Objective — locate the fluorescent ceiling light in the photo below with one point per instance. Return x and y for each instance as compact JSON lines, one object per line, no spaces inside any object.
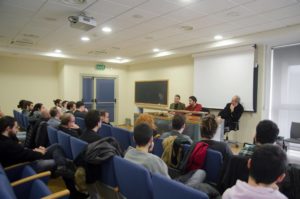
{"x":156,"y":50}
{"x":218,"y":37}
{"x":162,"y":54}
{"x":85,"y":39}
{"x":57,"y":51}
{"x":106,"y":29}
{"x":118,"y":61}
{"x":119,"y":58}
{"x":225,"y":43}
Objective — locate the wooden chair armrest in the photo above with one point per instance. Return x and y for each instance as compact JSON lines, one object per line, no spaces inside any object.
{"x":30,"y":178}
{"x":58,"y":194}
{"x":16,"y":165}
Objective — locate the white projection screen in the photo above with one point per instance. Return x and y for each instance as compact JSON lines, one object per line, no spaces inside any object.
{"x":219,"y":75}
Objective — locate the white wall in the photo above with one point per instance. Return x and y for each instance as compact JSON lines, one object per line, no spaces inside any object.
{"x":20,"y":78}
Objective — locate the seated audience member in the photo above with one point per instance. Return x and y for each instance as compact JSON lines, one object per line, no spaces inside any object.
{"x":68,"y":125}
{"x":148,"y":119}
{"x":267,"y":167}
{"x":232,"y":113}
{"x":143,"y":136}
{"x":80,"y":110}
{"x":104,"y":116}
{"x":178,"y":125}
{"x":35,"y":113}
{"x":11,"y":152}
{"x":27,"y":108}
{"x":64,"y":106}
{"x":193,"y":105}
{"x":21,"y":104}
{"x":55,"y":114}
{"x":208,"y":130}
{"x":57,"y":103}
{"x":266,"y":133}
{"x":93,"y":124}
{"x":71,"y":107}
{"x":177,"y":105}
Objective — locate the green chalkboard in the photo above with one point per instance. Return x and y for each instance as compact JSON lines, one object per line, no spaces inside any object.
{"x":151,"y":92}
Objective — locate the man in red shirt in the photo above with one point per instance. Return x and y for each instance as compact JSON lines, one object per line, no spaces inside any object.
{"x":193,"y":105}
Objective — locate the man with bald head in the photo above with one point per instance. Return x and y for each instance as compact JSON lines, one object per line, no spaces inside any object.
{"x":232,"y":113}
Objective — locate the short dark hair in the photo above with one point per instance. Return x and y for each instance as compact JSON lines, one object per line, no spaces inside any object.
{"x":266,"y":132}
{"x":208,"y":126}
{"x":37,"y":107}
{"x":63,"y":102}
{"x":268,"y":162}
{"x":70,"y":105}
{"x":142,"y":134}
{"x":21,"y":104}
{"x":53,"y":111}
{"x":193,"y":98}
{"x":92,"y":118}
{"x":178,"y":121}
{"x":177,"y":96}
{"x":79,"y":104}
{"x":56,"y":102}
{"x":6,"y":121}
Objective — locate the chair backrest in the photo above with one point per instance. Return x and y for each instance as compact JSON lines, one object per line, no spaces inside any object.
{"x":134,"y":180}
{"x":64,"y":142}
{"x":38,"y":190}
{"x":123,"y":137}
{"x":77,"y":146}
{"x":6,"y":190}
{"x":80,"y":122}
{"x":295,"y":130}
{"x":158,"y":147}
{"x":107,"y":173}
{"x":105,"y":130}
{"x":167,"y":188}
{"x":52,"y":135}
{"x":25,"y":121}
{"x":212,"y":166}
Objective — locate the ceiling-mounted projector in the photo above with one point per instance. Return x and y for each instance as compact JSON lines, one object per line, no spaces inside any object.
{"x":82,"y":22}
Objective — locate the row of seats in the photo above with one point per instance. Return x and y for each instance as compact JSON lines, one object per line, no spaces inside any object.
{"x":21,"y":181}
{"x":135,"y":178}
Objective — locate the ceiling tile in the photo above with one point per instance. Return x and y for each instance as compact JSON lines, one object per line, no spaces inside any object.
{"x":212,"y":6}
{"x":282,"y":13}
{"x":31,"y":5}
{"x":131,"y":3}
{"x":261,"y":6}
{"x":185,"y":14}
{"x":108,"y":8}
{"x":233,"y":14}
{"x":159,"y":6}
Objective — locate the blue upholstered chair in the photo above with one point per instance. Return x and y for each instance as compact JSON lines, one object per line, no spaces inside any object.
{"x":123,"y":136}
{"x":80,"y":122}
{"x":212,"y":166}
{"x":105,"y":130}
{"x":134,"y":180}
{"x":77,"y":146}
{"x":167,"y":188}
{"x":158,"y":147}
{"x":52,"y":135}
{"x":64,"y":142}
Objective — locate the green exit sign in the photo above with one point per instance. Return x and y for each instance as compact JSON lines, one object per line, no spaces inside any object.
{"x":100,"y":67}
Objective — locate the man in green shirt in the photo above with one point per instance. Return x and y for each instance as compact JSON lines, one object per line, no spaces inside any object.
{"x":177,"y":105}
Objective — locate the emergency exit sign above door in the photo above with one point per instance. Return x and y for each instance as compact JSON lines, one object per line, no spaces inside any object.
{"x":100,"y":67}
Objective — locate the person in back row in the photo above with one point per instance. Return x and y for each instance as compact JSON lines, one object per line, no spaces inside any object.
{"x":93,"y":124}
{"x":55,"y":114}
{"x":104,"y":116}
{"x":35,"y":113}
{"x":193,"y":105}
{"x":178,"y":125}
{"x":267,"y":167}
{"x":143,"y":137}
{"x":80,"y":110}
{"x":71,"y":107}
{"x":68,"y":125}
{"x":208,"y":130}
{"x":266,"y":133}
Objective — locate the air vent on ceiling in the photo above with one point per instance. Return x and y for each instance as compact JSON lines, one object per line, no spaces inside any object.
{"x":97,"y":52}
{"x":22,"y":42}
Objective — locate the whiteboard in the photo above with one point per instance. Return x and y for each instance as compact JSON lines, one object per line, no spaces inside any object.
{"x":220,"y":75}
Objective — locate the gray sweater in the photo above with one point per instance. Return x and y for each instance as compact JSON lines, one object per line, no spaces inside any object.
{"x":153,"y":163}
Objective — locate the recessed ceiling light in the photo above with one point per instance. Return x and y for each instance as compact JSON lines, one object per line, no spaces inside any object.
{"x":156,"y":50}
{"x":57,"y":51}
{"x":162,"y":54}
{"x":218,"y":37}
{"x":85,"y":39}
{"x":106,"y":29}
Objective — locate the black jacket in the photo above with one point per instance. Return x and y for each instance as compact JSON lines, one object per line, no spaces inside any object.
{"x":90,"y":136}
{"x":79,"y":114}
{"x":231,"y":118}
{"x":13,"y":153}
{"x":72,"y":132}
